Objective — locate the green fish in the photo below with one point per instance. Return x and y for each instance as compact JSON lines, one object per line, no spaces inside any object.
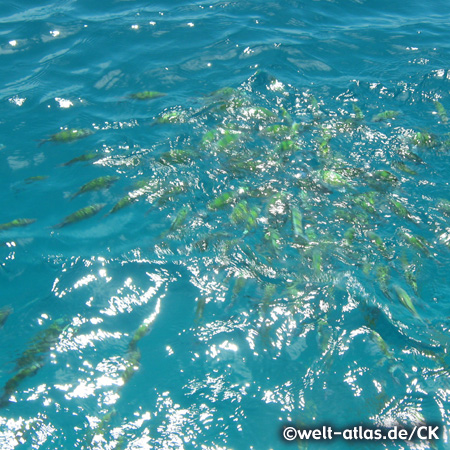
{"x":259,"y":113}
{"x":297,"y":222}
{"x":231,"y":105}
{"x":444,"y":206}
{"x":96,"y":184}
{"x":222,"y":200}
{"x":147,"y":95}
{"x":201,"y":303}
{"x":406,"y":153}
{"x":287,"y":147}
{"x":366,"y":201}
{"x":169,"y":192}
{"x":180,"y":218}
{"x":383,"y":279}
{"x":405,"y":300}
{"x":209,"y":137}
{"x":408,"y":271}
{"x":416,"y":241}
{"x":269,"y":291}
{"x":378,"y":242}
{"x":403,"y":167}
{"x":381,"y":343}
{"x":240,"y":212}
{"x":357,"y":111}
{"x":317,"y":262}
{"x":239,"y":285}
{"x":224,"y":93}
{"x":30,"y":180}
{"x":424,"y":139}
{"x":176,"y":157}
{"x":122,"y":203}
{"x":252,"y":217}
{"x":385,"y":115}
{"x":69,"y":135}
{"x":273,"y":239}
{"x":81,"y":214}
{"x":142,"y":330}
{"x":4,"y":314}
{"x":92,"y":156}
{"x":132,"y":365}
{"x":42,"y":343}
{"x":170,"y":117}
{"x":349,"y":236}
{"x":226,"y":141}
{"x":324,"y":141}
{"x":333,"y":178}
{"x":276,"y":131}
{"x":317,"y":114}
{"x":441,"y":111}
{"x":385,"y":176}
{"x":143,"y":184}
{"x":12,"y":384}
{"x":401,"y":210}
{"x":286,"y":116}
{"x":16,"y":223}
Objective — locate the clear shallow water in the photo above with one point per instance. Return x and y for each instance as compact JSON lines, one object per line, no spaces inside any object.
{"x":125,"y":333}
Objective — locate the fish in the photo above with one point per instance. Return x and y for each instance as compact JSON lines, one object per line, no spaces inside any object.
{"x":273,"y":239}
{"x":383,"y":278}
{"x":81,"y":214}
{"x":399,"y":165}
{"x":416,"y":241}
{"x":96,"y":184}
{"x":378,"y":242}
{"x":180,"y":218}
{"x":176,"y":156}
{"x":381,"y":343}
{"x":332,"y":178}
{"x":409,"y":273}
{"x":276,"y":131}
{"x":200,"y":309}
{"x":13,"y":383}
{"x":359,"y":115}
{"x":349,"y":235}
{"x":442,"y":113}
{"x":221,"y":201}
{"x":16,"y":223}
{"x":32,"y":359}
{"x":36,"y":178}
{"x":147,"y":95}
{"x":239,"y":285}
{"x":132,"y":365}
{"x":4,"y":314}
{"x":444,"y":206}
{"x":405,"y":300}
{"x":170,"y":117}
{"x":367,"y":202}
{"x":91,"y":156}
{"x":142,"y":330}
{"x":68,"y":135}
{"x":401,"y":210}
{"x":424,"y":139}
{"x":382,"y":179}
{"x":316,"y":264}
{"x":122,"y":203}
{"x":385,"y":115}
{"x":324,"y":334}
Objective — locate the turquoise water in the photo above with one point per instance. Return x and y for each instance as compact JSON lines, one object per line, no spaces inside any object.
{"x":270,"y":248}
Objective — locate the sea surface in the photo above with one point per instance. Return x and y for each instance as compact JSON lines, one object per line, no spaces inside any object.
{"x":220,"y":219}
